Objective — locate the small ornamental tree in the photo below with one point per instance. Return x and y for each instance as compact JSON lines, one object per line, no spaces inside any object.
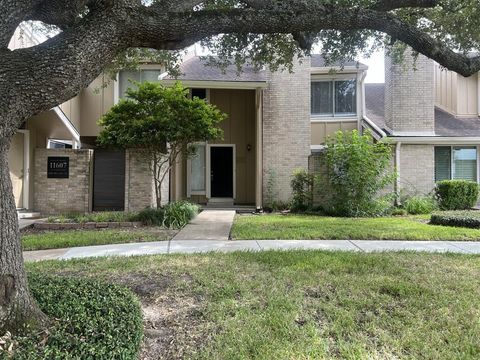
{"x":160,"y":123}
{"x":357,"y":170}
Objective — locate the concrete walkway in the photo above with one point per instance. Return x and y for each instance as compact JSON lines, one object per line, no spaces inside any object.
{"x":208,"y":225}
{"x":201,"y":246}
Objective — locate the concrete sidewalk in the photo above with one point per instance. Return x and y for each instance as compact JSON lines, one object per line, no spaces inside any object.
{"x":202,"y":246}
{"x":208,"y":225}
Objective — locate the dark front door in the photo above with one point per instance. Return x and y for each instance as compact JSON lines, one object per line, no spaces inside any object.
{"x":109,"y":180}
{"x":221,"y":171}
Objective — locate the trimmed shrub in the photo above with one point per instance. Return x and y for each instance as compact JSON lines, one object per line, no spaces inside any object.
{"x":178,"y":214}
{"x":302,"y":190}
{"x":92,"y":320}
{"x":417,"y":205}
{"x":468,"y":219}
{"x":456,"y":194}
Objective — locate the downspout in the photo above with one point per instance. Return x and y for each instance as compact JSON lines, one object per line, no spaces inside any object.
{"x":364,"y":106}
{"x":398,"y":149}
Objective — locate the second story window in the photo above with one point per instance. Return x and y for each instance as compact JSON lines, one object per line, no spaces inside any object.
{"x":126,"y":76}
{"x":337,"y":98}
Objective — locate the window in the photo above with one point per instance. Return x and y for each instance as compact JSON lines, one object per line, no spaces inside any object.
{"x":456,"y":162}
{"x":126,"y":77}
{"x":199,"y":93}
{"x":334,"y":98}
{"x":197,"y":178}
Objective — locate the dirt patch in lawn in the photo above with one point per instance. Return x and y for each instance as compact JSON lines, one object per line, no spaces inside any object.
{"x":173,"y":325}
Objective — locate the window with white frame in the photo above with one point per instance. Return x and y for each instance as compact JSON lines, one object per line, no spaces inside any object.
{"x":126,"y":77}
{"x":336,"y":98}
{"x":197,"y":170}
{"x":456,"y":162}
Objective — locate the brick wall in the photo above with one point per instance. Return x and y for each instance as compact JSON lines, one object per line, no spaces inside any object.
{"x":417,"y":169}
{"x":55,"y":196}
{"x":286,"y":126}
{"x":139,"y":187}
{"x":409,"y":95}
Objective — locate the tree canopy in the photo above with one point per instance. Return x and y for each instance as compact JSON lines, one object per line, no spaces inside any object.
{"x":160,"y":123}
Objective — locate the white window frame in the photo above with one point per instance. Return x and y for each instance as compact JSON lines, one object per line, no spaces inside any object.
{"x":452,"y":158}
{"x":345,"y":77}
{"x":208,"y":179}
{"x":116,"y":83}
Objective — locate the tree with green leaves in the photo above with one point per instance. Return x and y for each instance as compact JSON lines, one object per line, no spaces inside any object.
{"x":87,"y":37}
{"x":160,"y":123}
{"x":358,"y":168}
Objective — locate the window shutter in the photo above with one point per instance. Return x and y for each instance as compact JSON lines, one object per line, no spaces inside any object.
{"x":443,"y":163}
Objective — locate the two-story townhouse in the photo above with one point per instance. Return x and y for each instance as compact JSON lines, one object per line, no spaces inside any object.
{"x":431,"y":115}
{"x":277,"y":122}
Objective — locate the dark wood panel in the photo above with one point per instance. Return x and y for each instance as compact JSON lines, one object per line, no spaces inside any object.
{"x":109,"y":180}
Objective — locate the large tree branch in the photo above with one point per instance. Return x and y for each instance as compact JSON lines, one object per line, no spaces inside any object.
{"x":38,"y":78}
{"x":388,"y":5}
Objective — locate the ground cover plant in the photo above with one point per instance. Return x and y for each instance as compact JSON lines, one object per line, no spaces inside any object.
{"x":298,"y":304}
{"x":417,"y":205}
{"x":298,"y":227}
{"x":73,"y":238}
{"x":89,"y":320}
{"x":104,"y":216}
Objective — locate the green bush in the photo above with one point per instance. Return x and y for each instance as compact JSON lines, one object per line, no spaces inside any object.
{"x":357,"y":171}
{"x":468,"y":219}
{"x":397,"y":211}
{"x":302,"y":190}
{"x":456,"y":194}
{"x":150,"y":217}
{"x":417,"y":205}
{"x":90,"y":320}
{"x":178,"y":214}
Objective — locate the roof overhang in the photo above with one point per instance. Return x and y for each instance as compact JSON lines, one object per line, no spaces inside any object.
{"x":338,"y":69}
{"x":215,"y":84}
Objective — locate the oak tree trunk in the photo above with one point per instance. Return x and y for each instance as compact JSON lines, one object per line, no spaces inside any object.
{"x":17,"y":308}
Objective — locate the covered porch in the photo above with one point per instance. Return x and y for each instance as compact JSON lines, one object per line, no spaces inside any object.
{"x":226,"y":172}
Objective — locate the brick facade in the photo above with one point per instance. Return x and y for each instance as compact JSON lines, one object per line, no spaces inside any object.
{"x":417,"y":169}
{"x":409,"y":96}
{"x":55,"y":196}
{"x":139,"y":187}
{"x":286,"y":126}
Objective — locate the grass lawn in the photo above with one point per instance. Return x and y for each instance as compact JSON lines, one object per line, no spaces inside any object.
{"x":298,"y":227}
{"x":298,"y":304}
{"x":74,"y":238}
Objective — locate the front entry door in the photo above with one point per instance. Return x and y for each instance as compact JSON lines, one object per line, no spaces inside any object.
{"x":221,"y":171}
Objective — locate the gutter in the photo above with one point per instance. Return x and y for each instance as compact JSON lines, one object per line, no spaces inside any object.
{"x":436,"y":139}
{"x":375,"y":127}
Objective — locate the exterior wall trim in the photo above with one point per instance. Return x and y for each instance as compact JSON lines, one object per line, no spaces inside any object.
{"x":374,"y":126}
{"x":210,"y":84}
{"x":68,"y":124}
{"x":437,"y":140}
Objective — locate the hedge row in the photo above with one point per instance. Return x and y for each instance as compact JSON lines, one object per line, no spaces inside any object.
{"x":92,"y":320}
{"x":469,"y":219}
